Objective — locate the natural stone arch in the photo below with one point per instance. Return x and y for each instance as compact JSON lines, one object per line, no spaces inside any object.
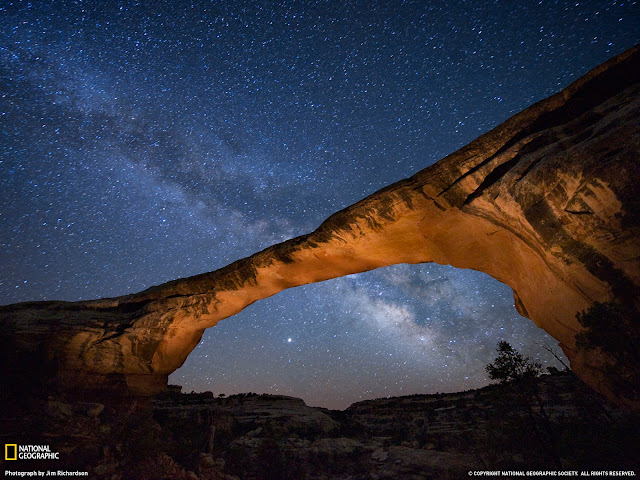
{"x":418,"y":326}
{"x":541,"y":203}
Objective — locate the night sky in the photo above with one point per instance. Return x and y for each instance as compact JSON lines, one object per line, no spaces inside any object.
{"x":146,"y":141}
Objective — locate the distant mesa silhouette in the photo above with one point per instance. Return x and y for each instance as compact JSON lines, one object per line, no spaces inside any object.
{"x":546,"y":203}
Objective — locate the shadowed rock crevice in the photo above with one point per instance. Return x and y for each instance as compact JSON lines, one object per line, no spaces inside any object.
{"x":545,"y":203}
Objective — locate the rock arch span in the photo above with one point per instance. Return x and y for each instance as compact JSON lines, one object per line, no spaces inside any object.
{"x":543,"y":203}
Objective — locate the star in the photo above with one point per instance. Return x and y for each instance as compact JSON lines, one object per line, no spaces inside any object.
{"x":140,"y":145}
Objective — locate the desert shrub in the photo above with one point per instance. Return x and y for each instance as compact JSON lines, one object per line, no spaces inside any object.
{"x":510,"y":365}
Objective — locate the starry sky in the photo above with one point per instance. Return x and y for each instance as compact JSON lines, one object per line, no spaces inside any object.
{"x":146,"y":141}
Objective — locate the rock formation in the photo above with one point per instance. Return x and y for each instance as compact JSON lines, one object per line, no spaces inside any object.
{"x":545,"y":422}
{"x":545,"y":203}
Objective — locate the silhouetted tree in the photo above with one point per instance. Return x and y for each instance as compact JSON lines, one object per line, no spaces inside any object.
{"x":510,"y":365}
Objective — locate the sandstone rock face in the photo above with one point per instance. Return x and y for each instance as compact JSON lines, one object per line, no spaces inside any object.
{"x":545,"y":203}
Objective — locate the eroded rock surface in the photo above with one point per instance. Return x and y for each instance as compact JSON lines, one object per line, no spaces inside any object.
{"x":546,"y":203}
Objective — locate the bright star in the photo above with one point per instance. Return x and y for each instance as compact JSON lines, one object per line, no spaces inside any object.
{"x":289,"y":340}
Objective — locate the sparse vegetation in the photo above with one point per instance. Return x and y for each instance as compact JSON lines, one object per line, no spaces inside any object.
{"x":511,"y":365}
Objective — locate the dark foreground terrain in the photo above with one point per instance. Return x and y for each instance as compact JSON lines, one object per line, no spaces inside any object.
{"x":552,"y":423}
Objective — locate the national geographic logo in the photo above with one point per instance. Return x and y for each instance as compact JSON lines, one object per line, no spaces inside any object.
{"x":13,"y":451}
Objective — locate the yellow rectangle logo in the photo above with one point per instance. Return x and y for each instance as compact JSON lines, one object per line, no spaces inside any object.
{"x":11,"y":451}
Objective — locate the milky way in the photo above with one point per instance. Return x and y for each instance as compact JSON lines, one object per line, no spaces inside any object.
{"x":146,"y":141}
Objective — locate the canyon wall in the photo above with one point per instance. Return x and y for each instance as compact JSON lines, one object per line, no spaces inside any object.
{"x":546,"y":203}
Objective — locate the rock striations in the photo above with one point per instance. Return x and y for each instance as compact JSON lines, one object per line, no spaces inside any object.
{"x":545,"y":203}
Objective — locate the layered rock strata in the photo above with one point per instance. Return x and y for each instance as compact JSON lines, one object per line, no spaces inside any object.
{"x":545,"y":203}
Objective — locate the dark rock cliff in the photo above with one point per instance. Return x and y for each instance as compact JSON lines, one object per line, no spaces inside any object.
{"x":551,"y":423}
{"x":546,"y":203}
